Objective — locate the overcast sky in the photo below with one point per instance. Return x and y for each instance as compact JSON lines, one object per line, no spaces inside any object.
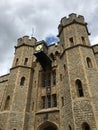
{"x":18,"y":17}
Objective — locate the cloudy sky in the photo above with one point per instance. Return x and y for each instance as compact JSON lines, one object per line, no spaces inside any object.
{"x":40,"y":17}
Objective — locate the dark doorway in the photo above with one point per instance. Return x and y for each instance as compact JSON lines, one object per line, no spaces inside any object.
{"x":50,"y":128}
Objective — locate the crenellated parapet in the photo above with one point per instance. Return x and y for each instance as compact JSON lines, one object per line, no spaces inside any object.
{"x":26,"y":40}
{"x":73,"y":18}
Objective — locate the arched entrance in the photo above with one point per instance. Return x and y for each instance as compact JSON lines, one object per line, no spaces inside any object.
{"x":48,"y":126}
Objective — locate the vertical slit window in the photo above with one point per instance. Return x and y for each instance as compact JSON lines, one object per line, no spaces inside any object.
{"x":7,"y":103}
{"x":54,"y":99}
{"x":71,"y":41}
{"x":26,"y":61}
{"x":49,"y":101}
{"x":48,"y":79}
{"x":89,"y":63}
{"x":54,"y":77}
{"x":83,"y":40}
{"x":16,"y":62}
{"x":60,"y":77}
{"x":62,"y":98}
{"x":79,"y":88}
{"x":43,"y":102}
{"x":70,"y":127}
{"x":43,"y":80}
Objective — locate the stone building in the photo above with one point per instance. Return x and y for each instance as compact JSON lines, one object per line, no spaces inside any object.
{"x":52,"y":87}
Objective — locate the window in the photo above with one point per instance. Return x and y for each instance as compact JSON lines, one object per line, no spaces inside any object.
{"x":62,"y":98}
{"x":85,"y":126}
{"x":54,"y":99}
{"x":79,"y":88}
{"x":83,"y":40}
{"x":89,"y":63}
{"x":70,"y":127}
{"x":48,"y":79}
{"x":43,"y":101}
{"x":54,"y":77}
{"x":22,"y":81}
{"x":7,"y":103}
{"x":26,"y":60}
{"x":32,"y":106}
{"x":64,"y":67}
{"x":49,"y":101}
{"x":60,"y":77}
{"x":71,"y":41}
{"x":16,"y":62}
{"x":43,"y":80}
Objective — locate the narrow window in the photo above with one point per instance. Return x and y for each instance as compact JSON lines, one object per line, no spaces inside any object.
{"x":43,"y":80}
{"x":16,"y":62}
{"x":83,"y":40}
{"x":70,"y":127}
{"x":48,"y":79}
{"x":49,"y":101}
{"x":22,"y":81}
{"x":7,"y":103}
{"x":43,"y":102}
{"x":79,"y":88}
{"x":89,"y":63}
{"x":32,"y":106}
{"x":54,"y":99}
{"x":54,"y":77}
{"x":85,"y":126}
{"x":61,"y":77}
{"x":64,"y":67}
{"x":62,"y":98}
{"x":71,"y":41}
{"x":26,"y":61}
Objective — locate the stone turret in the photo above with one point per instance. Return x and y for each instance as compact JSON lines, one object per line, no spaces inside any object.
{"x":73,"y":18}
{"x":73,"y":31}
{"x":26,"y":40}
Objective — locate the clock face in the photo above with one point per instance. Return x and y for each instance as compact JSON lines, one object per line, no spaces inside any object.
{"x":38,"y":48}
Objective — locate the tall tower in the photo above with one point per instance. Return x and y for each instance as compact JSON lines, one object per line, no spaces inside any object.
{"x":18,"y":92}
{"x":79,"y":84}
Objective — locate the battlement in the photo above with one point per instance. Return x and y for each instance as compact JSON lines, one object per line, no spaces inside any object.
{"x":73,"y":18}
{"x":26,"y":40}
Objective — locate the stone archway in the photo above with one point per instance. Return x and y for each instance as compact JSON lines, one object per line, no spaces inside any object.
{"x":48,"y":126}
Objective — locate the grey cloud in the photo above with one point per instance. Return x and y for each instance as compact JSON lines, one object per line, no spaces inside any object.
{"x":18,"y":17}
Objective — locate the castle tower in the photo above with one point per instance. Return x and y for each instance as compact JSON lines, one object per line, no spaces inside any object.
{"x":79,"y":84}
{"x":18,"y":92}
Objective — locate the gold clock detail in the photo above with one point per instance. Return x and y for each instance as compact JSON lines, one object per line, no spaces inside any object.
{"x":38,"y":48}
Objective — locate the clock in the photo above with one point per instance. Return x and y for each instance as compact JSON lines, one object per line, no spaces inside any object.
{"x":39,"y":47}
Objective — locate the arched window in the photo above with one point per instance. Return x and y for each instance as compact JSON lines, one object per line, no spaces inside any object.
{"x":26,"y":61}
{"x":7,"y":103}
{"x":85,"y":126}
{"x":89,"y":63}
{"x":79,"y":88}
{"x":22,"y":81}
